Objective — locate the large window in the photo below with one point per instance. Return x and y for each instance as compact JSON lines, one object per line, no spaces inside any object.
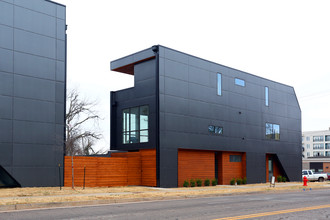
{"x":272,"y":131}
{"x":219,"y":83}
{"x":266,"y":96}
{"x":327,"y":138}
{"x":317,"y":138}
{"x":135,"y":125}
{"x":327,"y":146}
{"x":318,"y":154}
{"x":318,"y":146}
{"x":239,"y":82}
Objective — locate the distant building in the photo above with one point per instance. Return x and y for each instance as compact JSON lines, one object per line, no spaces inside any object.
{"x":32,"y":92}
{"x":316,"y":144}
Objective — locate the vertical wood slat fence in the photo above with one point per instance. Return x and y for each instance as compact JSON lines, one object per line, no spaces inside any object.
{"x":121,"y":169}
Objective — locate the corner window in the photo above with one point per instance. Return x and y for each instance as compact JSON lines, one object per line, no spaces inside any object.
{"x":219,"y":83}
{"x":272,"y":131}
{"x":239,"y":82}
{"x":327,"y":146}
{"x":235,"y":158}
{"x":135,"y":125}
{"x":266,"y":96}
{"x":327,"y":138}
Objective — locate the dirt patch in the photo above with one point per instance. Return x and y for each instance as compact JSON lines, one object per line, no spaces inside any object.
{"x":54,"y":194}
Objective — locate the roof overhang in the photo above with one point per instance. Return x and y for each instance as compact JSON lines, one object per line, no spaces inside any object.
{"x":126,"y":64}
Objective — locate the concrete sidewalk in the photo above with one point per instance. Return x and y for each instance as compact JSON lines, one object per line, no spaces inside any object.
{"x":79,"y":197}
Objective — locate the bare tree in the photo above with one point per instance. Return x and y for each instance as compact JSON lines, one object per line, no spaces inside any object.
{"x":79,"y":139}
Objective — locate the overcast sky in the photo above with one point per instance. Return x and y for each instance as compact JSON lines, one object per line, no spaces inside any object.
{"x":285,"y":41}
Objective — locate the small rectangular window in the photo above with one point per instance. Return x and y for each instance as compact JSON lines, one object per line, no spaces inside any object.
{"x":235,"y":158}
{"x":266,"y":96}
{"x":272,"y":131}
{"x":239,"y":82}
{"x":219,"y":83}
{"x":215,"y":129}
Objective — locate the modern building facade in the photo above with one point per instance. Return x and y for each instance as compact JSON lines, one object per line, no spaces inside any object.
{"x":316,"y":144}
{"x":205,"y":120}
{"x":32,"y":91}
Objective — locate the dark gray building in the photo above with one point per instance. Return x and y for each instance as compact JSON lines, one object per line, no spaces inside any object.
{"x":181,"y":104}
{"x":32,"y":90}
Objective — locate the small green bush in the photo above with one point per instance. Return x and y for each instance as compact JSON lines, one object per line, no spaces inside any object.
{"x":185,"y":183}
{"x":239,"y":181}
{"x":244,"y":181}
{"x":214,"y":182}
{"x":192,"y":183}
{"x":199,"y":182}
{"x":284,"y":179}
{"x":279,"y":179}
{"x":232,"y":181}
{"x":206,"y":182}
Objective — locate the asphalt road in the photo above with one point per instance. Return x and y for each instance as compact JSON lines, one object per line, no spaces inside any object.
{"x":313,"y":204}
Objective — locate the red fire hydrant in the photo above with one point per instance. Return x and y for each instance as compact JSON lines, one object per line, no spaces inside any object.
{"x":305,"y":181}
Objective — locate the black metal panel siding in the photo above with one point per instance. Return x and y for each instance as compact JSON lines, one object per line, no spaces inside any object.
{"x":189,"y":103}
{"x":32,"y":90}
{"x":143,"y":93}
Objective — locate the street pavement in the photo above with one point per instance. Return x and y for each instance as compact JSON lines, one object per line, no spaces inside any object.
{"x":308,"y":204}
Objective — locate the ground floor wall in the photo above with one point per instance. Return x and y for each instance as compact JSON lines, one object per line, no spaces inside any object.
{"x":227,"y":169}
{"x":199,"y":164}
{"x":277,"y":170}
{"x":195,"y":164}
{"x":121,"y":169}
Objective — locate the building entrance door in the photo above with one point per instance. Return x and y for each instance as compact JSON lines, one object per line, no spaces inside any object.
{"x":270,"y":168}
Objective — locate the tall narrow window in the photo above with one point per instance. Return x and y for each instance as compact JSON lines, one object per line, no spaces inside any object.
{"x":266,"y":96}
{"x":219,"y":83}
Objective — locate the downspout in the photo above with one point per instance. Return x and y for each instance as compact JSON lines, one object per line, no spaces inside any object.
{"x":155,"y":49}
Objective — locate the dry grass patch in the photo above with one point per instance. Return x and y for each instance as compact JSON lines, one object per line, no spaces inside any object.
{"x":54,"y":194}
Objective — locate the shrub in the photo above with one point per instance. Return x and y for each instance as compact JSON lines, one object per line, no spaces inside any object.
{"x":192,"y":183}
{"x":284,"y":179}
{"x":185,"y":183}
{"x":214,"y":182}
{"x":206,"y":182}
{"x":244,"y":180}
{"x":199,"y":182}
{"x":239,"y":181}
{"x":279,"y":179}
{"x":232,"y":181}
